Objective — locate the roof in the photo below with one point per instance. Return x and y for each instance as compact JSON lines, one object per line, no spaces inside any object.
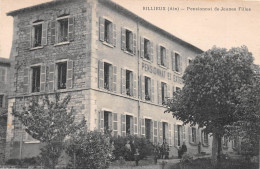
{"x":5,"y":61}
{"x":119,"y":9}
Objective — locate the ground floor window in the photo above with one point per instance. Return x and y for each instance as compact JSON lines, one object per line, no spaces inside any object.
{"x":129,"y":125}
{"x":148,"y":128}
{"x":179,"y":132}
{"x":164,"y":130}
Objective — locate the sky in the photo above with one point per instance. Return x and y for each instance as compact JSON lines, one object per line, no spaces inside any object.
{"x":225,"y":28}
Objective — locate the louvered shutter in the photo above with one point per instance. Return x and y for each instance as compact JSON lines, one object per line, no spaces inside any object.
{"x":142,"y":121}
{"x":151,"y":51}
{"x":190,"y":134}
{"x":158,"y":52}
{"x":114,"y":78}
{"x":101,"y":121}
{"x":151,"y":131}
{"x":142,"y":47}
{"x":26,"y":80}
{"x":183,"y":133}
{"x":32,"y":34}
{"x":101,"y":29}
{"x":53,"y":32}
{"x":155,"y":133}
{"x":111,"y":82}
{"x":71,"y":29}
{"x":167,"y":133}
{"x":110,"y":121}
{"x":135,"y":126}
{"x":180,"y":63}
{"x":159,"y":90}
{"x":173,"y":60}
{"x":142,"y":78}
{"x":134,"y":84}
{"x":123,"y":39}
{"x":167,"y":60}
{"x":101,"y":74}
{"x":131,"y":42}
{"x":123,"y":81}
{"x":134,"y":43}
{"x":114,"y":35}
{"x":175,"y":135}
{"x":70,"y":74}
{"x":123,"y":125}
{"x":152,"y":90}
{"x":115,"y":123}
{"x":170,"y":134}
{"x":44,"y":33}
{"x":43,"y":78}
{"x":160,"y":132}
{"x":51,"y":77}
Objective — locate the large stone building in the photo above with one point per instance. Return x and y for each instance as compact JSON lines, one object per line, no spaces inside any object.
{"x":5,"y":77}
{"x":119,"y":69}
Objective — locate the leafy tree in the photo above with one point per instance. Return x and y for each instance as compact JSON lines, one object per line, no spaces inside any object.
{"x":210,"y":97}
{"x":49,"y":122}
{"x":90,"y":149}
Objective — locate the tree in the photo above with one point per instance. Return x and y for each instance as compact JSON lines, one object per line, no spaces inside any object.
{"x":49,"y":122}
{"x":210,"y":97}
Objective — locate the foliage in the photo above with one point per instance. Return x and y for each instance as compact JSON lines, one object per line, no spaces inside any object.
{"x":50,"y":122}
{"x":211,"y":96}
{"x":144,"y":146}
{"x":23,"y":162}
{"x":90,"y":149}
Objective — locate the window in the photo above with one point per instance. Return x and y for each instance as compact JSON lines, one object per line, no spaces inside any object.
{"x":1,"y":100}
{"x":147,"y":88}
{"x":148,"y":128}
{"x":108,"y":31}
{"x":164,"y":129}
{"x":37,"y":39}
{"x":193,"y":135}
{"x":177,"y":62}
{"x":129,"y":41}
{"x":107,"y":121}
{"x":108,"y":76}
{"x":2,"y":75}
{"x":205,"y":138}
{"x":36,"y":71}
{"x":62,"y":75}
{"x":129,"y":83}
{"x":179,"y":131}
{"x":63,"y":30}
{"x":129,"y":125}
{"x":163,"y":56}
{"x":146,"y":49}
{"x":164,"y":92}
{"x":178,"y":89}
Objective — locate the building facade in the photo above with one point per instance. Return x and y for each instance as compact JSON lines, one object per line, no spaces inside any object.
{"x":119,"y":69}
{"x":5,"y":74}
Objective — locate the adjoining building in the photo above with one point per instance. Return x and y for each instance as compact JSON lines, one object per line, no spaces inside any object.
{"x":119,"y":69}
{"x":5,"y":77}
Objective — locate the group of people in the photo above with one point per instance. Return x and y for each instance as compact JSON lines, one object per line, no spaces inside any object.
{"x":181,"y":150}
{"x":162,"y":151}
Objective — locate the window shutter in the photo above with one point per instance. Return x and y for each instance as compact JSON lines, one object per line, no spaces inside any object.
{"x":167,"y":133}
{"x":32,"y":31}
{"x":168,"y":91}
{"x":149,"y":87}
{"x":115,"y":127}
{"x":71,"y":29}
{"x":142,"y":78}
{"x":134,"y":84}
{"x":43,"y":78}
{"x":70,"y":74}
{"x":180,"y":63}
{"x":160,"y":132}
{"x":131,"y":42}
{"x":114,"y":78}
{"x":175,"y":135}
{"x":53,"y":32}
{"x":183,"y":134}
{"x":152,"y":90}
{"x":159,"y":90}
{"x":165,"y":93}
{"x":101,"y":74}
{"x":123,"y":39}
{"x":26,"y":80}
{"x":110,"y":121}
{"x":123,"y":125}
{"x":123,"y":81}
{"x":132,"y":129}
{"x":111,"y":74}
{"x":44,"y":33}
{"x":173,"y":60}
{"x":170,"y":134}
{"x":135,"y":126}
{"x":158,"y":54}
{"x":167,"y":60}
{"x":142,"y":121}
{"x":114,"y":35}
{"x":101,"y":121}
{"x":190,"y":134}
{"x":142,"y":47}
{"x":51,"y":77}
{"x":155,"y":133}
{"x":151,"y":132}
{"x":101,"y":29}
{"x":151,"y":51}
{"x":134,"y":43}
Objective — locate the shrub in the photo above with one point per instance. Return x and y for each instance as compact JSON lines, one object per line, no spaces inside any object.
{"x":91,"y":149}
{"x":144,"y":146}
{"x":23,"y":162}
